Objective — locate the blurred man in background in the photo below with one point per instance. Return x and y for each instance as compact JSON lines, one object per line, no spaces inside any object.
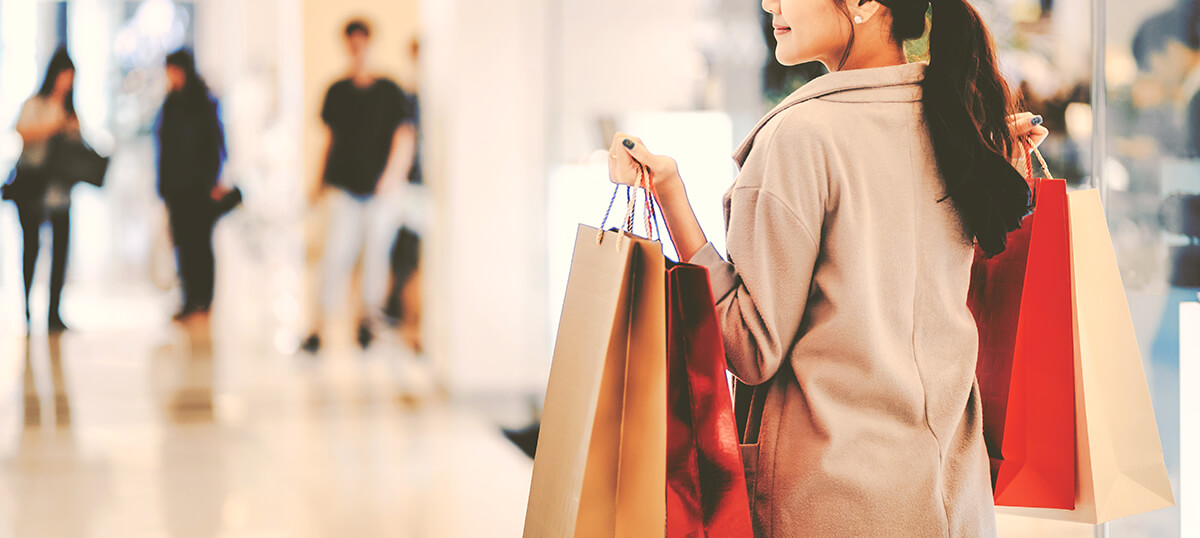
{"x":364,"y":113}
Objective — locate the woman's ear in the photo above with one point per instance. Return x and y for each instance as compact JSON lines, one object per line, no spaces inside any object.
{"x":862,"y":10}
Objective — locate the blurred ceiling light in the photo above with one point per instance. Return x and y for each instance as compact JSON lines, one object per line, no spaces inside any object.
{"x":155,"y":18}
{"x":1116,"y":174}
{"x":1120,"y":67}
{"x":156,"y":28}
{"x":1079,"y":122}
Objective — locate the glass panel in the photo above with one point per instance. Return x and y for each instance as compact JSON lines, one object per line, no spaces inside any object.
{"x":1152,"y":174}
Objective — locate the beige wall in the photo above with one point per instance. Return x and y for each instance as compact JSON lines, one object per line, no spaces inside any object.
{"x":393,"y":25}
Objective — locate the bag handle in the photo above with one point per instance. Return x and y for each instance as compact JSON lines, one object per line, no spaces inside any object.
{"x":1034,"y":183}
{"x":1041,"y":161}
{"x":631,"y":208}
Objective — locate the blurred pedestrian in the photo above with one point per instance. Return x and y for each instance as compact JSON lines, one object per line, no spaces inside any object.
{"x":403,"y":306}
{"x":191,"y":151}
{"x":41,"y":197}
{"x":364,"y":113}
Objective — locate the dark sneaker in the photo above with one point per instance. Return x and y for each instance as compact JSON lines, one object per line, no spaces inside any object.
{"x":364,"y":335}
{"x":311,"y":344}
{"x":526,"y":438}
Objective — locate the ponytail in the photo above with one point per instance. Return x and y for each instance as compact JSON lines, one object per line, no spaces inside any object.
{"x":966,"y":106}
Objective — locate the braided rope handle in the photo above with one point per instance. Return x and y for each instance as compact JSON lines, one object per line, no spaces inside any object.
{"x":1033,"y":184}
{"x":631,"y":208}
{"x":1042,"y":162}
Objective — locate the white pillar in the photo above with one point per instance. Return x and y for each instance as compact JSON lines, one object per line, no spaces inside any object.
{"x":484,"y":100}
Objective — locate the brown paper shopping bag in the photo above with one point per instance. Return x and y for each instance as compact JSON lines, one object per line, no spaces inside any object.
{"x":1118,"y":451}
{"x":601,"y":468}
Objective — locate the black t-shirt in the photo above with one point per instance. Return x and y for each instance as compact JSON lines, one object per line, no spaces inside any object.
{"x":363,"y":122}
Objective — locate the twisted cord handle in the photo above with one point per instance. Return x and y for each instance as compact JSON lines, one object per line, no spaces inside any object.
{"x":631,"y":208}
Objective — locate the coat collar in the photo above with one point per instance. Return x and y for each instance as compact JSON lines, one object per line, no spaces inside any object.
{"x":876,"y":84}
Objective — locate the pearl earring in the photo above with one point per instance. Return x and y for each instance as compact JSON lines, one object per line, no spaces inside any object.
{"x":858,"y":19}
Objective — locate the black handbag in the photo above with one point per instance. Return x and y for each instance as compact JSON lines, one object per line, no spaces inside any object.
{"x":22,"y":183}
{"x":6,"y":192}
{"x":70,"y":160}
{"x":228,"y":202}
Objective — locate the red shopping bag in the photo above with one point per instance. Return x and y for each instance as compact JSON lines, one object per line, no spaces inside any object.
{"x":1021,"y":300}
{"x":706,"y":486}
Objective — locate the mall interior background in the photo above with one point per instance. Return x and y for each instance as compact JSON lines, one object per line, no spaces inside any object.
{"x":132,"y":425}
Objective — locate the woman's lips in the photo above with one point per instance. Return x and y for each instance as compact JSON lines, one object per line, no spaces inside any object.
{"x":780,"y":30}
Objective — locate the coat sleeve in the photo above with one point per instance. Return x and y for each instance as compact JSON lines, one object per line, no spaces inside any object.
{"x":774,"y":220}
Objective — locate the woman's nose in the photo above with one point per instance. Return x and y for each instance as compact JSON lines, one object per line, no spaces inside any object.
{"x":771,"y":6}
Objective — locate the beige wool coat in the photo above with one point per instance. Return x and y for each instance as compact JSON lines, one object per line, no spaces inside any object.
{"x":846,"y":294}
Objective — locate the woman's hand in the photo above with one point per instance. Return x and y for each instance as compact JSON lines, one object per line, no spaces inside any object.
{"x":218,"y":192}
{"x":626,"y":157}
{"x":628,"y":154}
{"x":1028,"y":132}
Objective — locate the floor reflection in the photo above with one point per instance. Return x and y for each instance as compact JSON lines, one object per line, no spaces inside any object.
{"x":187,"y":376}
{"x":204,"y":430}
{"x":59,"y":402}
{"x":57,"y":490}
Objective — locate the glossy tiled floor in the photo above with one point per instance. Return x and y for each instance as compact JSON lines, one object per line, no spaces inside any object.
{"x":166,"y":432}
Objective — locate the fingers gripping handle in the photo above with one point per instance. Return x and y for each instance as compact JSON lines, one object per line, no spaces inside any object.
{"x":631,"y":208}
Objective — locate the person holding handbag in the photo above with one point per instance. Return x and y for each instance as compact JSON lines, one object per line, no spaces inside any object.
{"x":191,"y":151}
{"x":41,"y":197}
{"x":851,"y":230}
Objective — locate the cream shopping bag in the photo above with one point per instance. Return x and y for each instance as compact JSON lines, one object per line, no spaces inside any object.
{"x":1119,"y":454}
{"x":600,"y":468}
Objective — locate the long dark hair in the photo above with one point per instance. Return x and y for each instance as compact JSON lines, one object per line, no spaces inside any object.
{"x":193,"y":102}
{"x":195,"y":89}
{"x":60,"y":62}
{"x":966,"y":106}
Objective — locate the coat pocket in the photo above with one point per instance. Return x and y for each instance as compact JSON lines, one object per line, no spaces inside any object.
{"x":749,"y":403}
{"x":750,"y":466}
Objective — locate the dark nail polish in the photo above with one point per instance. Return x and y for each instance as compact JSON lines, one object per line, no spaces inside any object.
{"x":1037,"y":120}
{"x":628,"y":143}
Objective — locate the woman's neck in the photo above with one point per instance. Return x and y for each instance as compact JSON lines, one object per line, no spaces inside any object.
{"x":879,"y":56}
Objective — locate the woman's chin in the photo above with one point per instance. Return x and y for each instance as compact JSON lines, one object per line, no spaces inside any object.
{"x":788,"y":59}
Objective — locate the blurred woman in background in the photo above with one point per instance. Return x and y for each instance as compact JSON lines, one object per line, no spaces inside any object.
{"x":191,"y":150}
{"x":39,"y":197}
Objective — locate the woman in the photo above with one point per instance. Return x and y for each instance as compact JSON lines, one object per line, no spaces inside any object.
{"x":191,"y":150}
{"x":39,"y":196}
{"x":851,"y":230}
